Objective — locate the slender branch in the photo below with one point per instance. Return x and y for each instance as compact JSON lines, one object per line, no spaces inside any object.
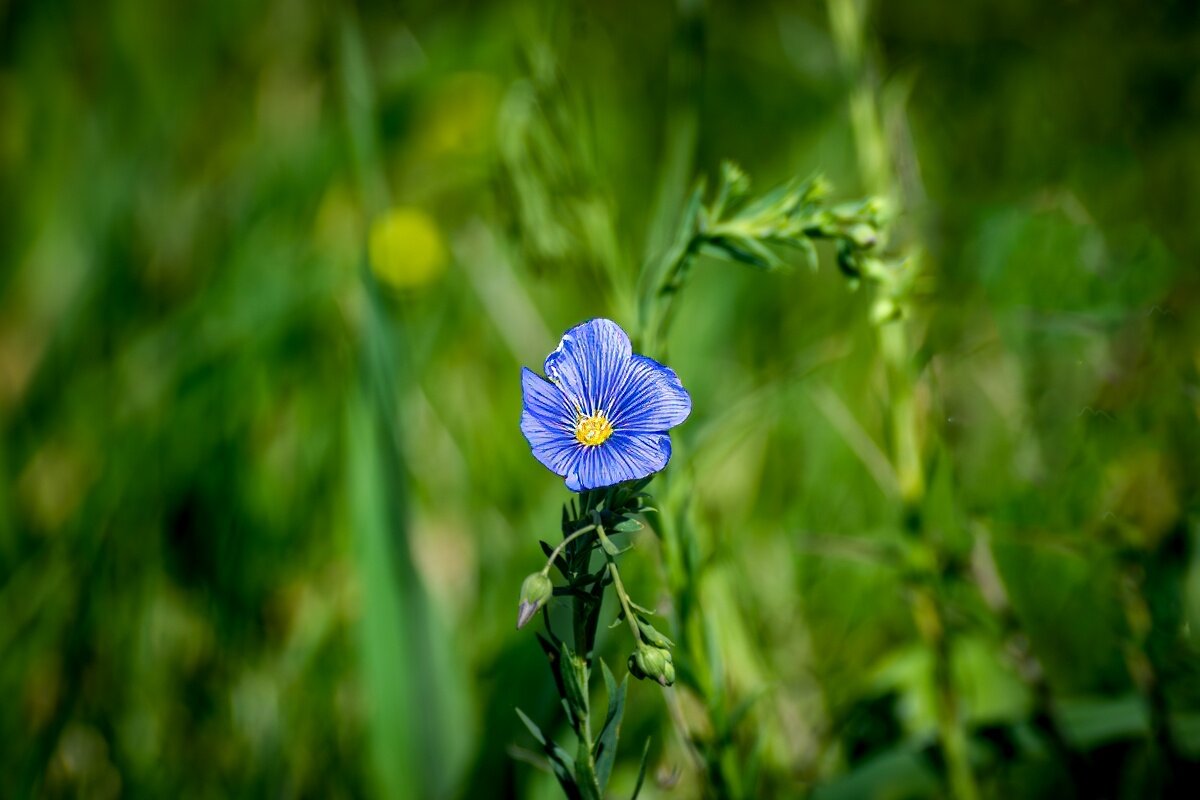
{"x":848,"y":26}
{"x":562,"y":545}
{"x":623,"y":596}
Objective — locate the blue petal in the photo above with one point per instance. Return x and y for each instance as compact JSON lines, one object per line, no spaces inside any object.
{"x":650,"y":400}
{"x":594,"y":369}
{"x":623,"y":457}
{"x":590,"y":363}
{"x":548,"y":422}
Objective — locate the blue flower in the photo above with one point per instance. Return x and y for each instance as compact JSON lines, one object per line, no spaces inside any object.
{"x":603,"y":416}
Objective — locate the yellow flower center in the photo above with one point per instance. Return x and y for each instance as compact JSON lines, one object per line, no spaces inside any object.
{"x":592,"y":429}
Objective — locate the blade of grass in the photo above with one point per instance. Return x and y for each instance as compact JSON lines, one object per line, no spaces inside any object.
{"x":415,"y":691}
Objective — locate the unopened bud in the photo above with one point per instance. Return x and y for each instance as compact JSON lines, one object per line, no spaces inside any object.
{"x":863,"y":235}
{"x":654,"y":663}
{"x":535,"y":591}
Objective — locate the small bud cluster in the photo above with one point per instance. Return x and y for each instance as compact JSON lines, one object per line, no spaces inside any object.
{"x":653,"y":662}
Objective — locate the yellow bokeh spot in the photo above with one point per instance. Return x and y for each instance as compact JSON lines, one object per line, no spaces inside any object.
{"x":593,"y":429}
{"x":406,"y":248}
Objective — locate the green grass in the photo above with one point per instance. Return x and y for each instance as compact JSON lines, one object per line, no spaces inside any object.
{"x":265,"y":509}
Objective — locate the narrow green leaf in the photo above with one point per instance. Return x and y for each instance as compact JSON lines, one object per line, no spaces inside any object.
{"x":642,"y":609}
{"x":808,"y":250}
{"x":606,"y":743}
{"x":533,"y":727}
{"x":553,"y":650}
{"x":652,"y":635}
{"x":764,"y":254}
{"x":556,"y":755}
{"x":574,"y":682}
{"x":688,"y":222}
{"x":610,"y":684}
{"x":734,"y":248}
{"x":628,"y":525}
{"x":637,"y":787}
{"x":385,"y":631}
{"x":770,"y":201}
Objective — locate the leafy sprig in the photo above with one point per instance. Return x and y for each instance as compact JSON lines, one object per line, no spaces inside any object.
{"x":735,"y":227}
{"x":589,"y":525}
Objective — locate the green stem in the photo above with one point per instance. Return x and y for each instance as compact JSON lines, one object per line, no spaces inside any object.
{"x":623,"y":596}
{"x":848,"y":27}
{"x":585,"y":762}
{"x":930,"y":618}
{"x":654,"y":330}
{"x":562,"y":545}
{"x":905,"y":447}
{"x":1140,"y":662}
{"x":584,"y":624}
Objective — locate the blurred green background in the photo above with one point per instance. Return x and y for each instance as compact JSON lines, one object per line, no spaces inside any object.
{"x":268,"y":271}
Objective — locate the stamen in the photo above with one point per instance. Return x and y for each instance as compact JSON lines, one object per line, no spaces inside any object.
{"x":592,"y":429}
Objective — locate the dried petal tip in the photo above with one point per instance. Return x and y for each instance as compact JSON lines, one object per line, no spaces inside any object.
{"x":535,"y":591}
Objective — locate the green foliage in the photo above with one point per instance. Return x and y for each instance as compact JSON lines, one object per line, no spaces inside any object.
{"x":737,"y":228}
{"x":264,"y":506}
{"x":584,"y":520}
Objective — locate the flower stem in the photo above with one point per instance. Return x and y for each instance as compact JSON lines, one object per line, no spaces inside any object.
{"x":562,"y":545}
{"x":848,"y":26}
{"x":623,"y":596}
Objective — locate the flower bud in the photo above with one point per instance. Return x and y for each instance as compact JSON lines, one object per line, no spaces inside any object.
{"x":654,"y":663}
{"x":863,"y":235}
{"x":668,"y":674}
{"x":535,"y":591}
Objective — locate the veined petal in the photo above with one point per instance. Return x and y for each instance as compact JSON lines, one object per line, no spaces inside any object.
{"x":622,"y":458}
{"x":548,"y":422}
{"x":651,"y":399}
{"x":590,"y":471}
{"x":603,"y":415}
{"x":590,"y":363}
{"x":644,"y":454}
{"x":545,"y":401}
